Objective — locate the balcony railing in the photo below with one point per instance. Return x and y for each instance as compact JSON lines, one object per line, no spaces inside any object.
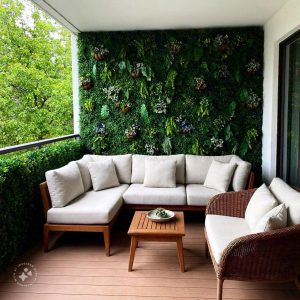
{"x":37,"y":144}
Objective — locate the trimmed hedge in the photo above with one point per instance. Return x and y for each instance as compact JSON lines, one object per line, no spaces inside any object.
{"x":21,"y":211}
{"x":180,"y":91}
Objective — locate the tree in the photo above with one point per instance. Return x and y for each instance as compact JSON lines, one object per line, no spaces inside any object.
{"x":35,"y":75}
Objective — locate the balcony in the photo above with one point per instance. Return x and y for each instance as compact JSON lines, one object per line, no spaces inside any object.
{"x":199,"y":78}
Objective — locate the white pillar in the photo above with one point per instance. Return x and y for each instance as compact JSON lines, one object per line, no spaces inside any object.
{"x":75,"y":80}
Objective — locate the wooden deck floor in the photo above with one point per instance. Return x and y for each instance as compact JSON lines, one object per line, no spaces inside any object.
{"x":77,"y":268}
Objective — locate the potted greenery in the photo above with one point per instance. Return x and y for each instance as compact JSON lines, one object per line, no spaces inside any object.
{"x":137,"y":70}
{"x":86,"y":82}
{"x":99,"y":53}
{"x":132,"y":132}
{"x":125,"y":107}
{"x":200,"y":83}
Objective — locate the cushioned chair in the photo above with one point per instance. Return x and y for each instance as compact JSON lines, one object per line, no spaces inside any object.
{"x":239,"y":255}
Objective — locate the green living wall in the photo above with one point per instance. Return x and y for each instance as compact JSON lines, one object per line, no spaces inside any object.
{"x":162,"y":92}
{"x":21,"y":210}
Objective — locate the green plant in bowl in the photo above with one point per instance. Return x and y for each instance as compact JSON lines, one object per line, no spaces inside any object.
{"x":160,"y":212}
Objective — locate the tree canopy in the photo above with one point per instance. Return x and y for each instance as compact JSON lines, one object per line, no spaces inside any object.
{"x":35,"y":75}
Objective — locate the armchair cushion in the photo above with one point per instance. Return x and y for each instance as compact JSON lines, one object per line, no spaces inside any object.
{"x":260,"y":203}
{"x":221,"y":230}
{"x":290,"y":197}
{"x":84,"y":171}
{"x":219,"y":176}
{"x":274,"y":219}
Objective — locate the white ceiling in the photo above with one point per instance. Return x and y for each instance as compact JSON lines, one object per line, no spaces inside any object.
{"x":111,"y":15}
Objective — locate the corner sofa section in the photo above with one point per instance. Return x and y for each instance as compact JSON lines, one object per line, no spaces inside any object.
{"x":96,"y":211}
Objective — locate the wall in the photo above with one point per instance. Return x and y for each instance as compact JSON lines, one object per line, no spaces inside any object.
{"x":285,"y":22}
{"x":193,"y":91}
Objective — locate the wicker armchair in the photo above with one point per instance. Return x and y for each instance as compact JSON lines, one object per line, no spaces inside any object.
{"x":267,"y":256}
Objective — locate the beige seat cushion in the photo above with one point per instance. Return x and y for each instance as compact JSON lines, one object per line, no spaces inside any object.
{"x":139,"y":194}
{"x":64,"y":184}
{"x":122,"y":164}
{"x":261,"y":202}
{"x":199,"y":195}
{"x":219,"y":176}
{"x":290,"y":197}
{"x":222,"y":230}
{"x":276,"y":218}
{"x":138,"y":166}
{"x":241,"y":173}
{"x":90,"y":208}
{"x":160,"y":174}
{"x":103,"y":174}
{"x":84,"y":171}
{"x":197,"y":166}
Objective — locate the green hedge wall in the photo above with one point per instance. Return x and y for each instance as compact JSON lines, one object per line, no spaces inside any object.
{"x":21,"y":211}
{"x":191,"y":91}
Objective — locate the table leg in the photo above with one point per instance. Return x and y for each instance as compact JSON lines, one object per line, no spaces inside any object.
{"x":180,"y":254}
{"x":133,"y":245}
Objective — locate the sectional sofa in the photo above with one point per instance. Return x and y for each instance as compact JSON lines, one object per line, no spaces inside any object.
{"x":71,"y":203}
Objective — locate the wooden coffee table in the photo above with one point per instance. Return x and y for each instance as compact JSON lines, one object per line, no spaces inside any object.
{"x":143,"y":229}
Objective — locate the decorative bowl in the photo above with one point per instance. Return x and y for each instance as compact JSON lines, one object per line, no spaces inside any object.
{"x":153,"y":216}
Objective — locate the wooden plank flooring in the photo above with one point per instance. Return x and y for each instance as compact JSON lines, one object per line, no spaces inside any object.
{"x":78,"y":269}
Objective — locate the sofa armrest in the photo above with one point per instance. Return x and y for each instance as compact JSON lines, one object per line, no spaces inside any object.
{"x":272,"y":255}
{"x":47,"y":204}
{"x":232,"y":204}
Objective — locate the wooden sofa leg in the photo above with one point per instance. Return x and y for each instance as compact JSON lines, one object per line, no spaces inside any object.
{"x":219,"y":289}
{"x":106,"y":235}
{"x":46,"y":238}
{"x":206,"y":250}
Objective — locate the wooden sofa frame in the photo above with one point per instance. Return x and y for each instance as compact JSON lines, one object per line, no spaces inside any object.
{"x":106,"y":227}
{"x":271,"y":256}
{"x":72,"y":227}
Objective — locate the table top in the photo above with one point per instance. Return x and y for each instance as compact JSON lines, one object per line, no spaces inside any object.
{"x":142,"y":226}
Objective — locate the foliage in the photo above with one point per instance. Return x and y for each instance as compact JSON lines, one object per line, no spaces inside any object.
{"x":35,"y":76}
{"x":202,"y":89}
{"x":21,"y":212}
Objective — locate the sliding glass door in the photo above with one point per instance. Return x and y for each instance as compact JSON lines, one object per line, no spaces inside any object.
{"x":289,"y":111}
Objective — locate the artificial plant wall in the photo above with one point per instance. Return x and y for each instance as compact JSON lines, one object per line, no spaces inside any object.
{"x":192,"y":91}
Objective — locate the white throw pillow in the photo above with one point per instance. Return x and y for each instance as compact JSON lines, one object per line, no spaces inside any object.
{"x":261,"y":202}
{"x":64,"y":184}
{"x":241,"y":173}
{"x":290,"y":197}
{"x":219,"y":175}
{"x":103,"y":174}
{"x":276,"y":218}
{"x":160,"y":174}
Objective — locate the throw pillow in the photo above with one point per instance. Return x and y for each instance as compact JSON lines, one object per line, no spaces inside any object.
{"x":241,"y":173}
{"x":219,"y":175}
{"x":103,"y":174}
{"x":261,"y":202}
{"x":160,"y":174}
{"x":64,"y":184}
{"x":276,"y":218}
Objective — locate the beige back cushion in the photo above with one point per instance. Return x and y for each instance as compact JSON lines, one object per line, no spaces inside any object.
{"x":84,"y":171}
{"x":138,"y":166}
{"x":160,"y":174}
{"x":197,"y":166}
{"x":241,"y":174}
{"x":290,"y":197}
{"x":122,"y":164}
{"x":64,"y":184}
